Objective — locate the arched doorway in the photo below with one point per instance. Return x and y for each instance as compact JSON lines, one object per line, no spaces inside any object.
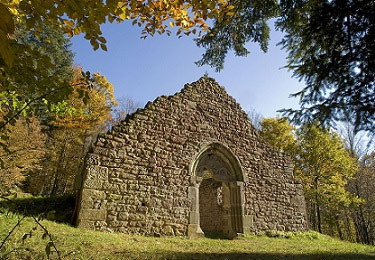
{"x":217,"y":193}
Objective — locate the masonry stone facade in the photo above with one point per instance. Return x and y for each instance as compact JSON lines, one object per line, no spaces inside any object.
{"x":188,"y":164}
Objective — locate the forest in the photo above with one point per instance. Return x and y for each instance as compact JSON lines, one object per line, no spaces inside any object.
{"x":52,"y":112}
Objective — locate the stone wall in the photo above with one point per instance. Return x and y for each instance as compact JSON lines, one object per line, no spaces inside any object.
{"x":210,"y":206}
{"x":137,"y":175}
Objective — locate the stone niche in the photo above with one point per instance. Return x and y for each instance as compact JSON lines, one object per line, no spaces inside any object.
{"x":185,"y":165}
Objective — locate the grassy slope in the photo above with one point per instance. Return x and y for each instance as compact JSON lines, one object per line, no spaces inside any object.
{"x":76,"y":243}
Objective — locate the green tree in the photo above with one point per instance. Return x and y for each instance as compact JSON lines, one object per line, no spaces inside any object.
{"x":363,"y":185}
{"x":247,"y":24}
{"x":279,"y":133}
{"x":324,"y":166}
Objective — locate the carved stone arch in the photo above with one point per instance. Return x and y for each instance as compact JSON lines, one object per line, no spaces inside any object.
{"x":225,"y":154}
{"x":217,"y":163}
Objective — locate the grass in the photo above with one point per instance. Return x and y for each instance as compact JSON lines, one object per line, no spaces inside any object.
{"x":75,"y":243}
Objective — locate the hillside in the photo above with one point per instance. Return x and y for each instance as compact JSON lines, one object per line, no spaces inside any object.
{"x":74,"y":243}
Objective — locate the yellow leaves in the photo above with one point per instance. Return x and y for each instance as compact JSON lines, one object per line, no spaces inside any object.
{"x":69,"y":23}
{"x":77,"y":30}
{"x":324,"y":163}
{"x":279,"y":133}
{"x":188,"y":16}
{"x":6,"y":25}
{"x":97,"y":109}
{"x":124,"y":13}
{"x":25,"y":141}
{"x":69,"y":28}
{"x":103,"y":47}
{"x":13,"y":7}
{"x":6,"y":29}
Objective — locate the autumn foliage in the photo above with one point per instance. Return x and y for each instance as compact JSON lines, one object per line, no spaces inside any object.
{"x":86,"y":16}
{"x":26,"y":146}
{"x":338,"y":187}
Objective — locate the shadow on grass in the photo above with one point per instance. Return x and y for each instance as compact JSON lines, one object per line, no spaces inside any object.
{"x":58,"y":209}
{"x":257,"y":256}
{"x":214,"y":235}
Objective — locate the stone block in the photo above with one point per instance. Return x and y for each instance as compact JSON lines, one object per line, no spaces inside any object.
{"x":194,"y":231}
{"x":123,"y":216}
{"x":93,"y":194}
{"x":248,"y":221}
{"x":167,"y":231}
{"x":93,"y":214}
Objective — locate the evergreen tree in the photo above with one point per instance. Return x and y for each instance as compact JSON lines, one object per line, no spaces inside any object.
{"x":330,"y":46}
{"x":26,"y":86}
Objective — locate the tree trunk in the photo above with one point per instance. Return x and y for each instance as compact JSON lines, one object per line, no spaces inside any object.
{"x":312,"y":213}
{"x":362,"y":227}
{"x":348,"y":227}
{"x":360,"y":222}
{"x":319,"y":220}
{"x":337,"y":221}
{"x":319,"y":217}
{"x":58,"y":166}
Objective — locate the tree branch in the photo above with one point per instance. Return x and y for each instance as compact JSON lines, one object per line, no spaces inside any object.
{"x":11,"y":231}
{"x":32,"y":101}
{"x":49,"y":235}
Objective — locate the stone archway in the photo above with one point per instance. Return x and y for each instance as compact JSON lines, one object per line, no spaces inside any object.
{"x":216,"y":192}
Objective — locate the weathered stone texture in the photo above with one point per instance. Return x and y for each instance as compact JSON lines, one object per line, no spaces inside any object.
{"x":137,"y":175}
{"x":211,"y":206}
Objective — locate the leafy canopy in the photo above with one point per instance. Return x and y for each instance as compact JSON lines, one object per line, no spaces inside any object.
{"x":28,"y":68}
{"x":279,"y":133}
{"x":86,"y":16}
{"x":324,"y":166}
{"x":40,"y":76}
{"x":95,"y":112}
{"x":247,"y":24}
{"x":321,"y":162}
{"x":329,"y":43}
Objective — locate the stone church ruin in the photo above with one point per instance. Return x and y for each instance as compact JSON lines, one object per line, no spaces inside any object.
{"x":185,"y":165}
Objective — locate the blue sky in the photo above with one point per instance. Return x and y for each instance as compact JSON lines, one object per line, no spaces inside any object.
{"x":161,"y":65}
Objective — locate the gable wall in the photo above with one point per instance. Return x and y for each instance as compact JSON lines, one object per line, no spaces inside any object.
{"x":137,"y":175}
